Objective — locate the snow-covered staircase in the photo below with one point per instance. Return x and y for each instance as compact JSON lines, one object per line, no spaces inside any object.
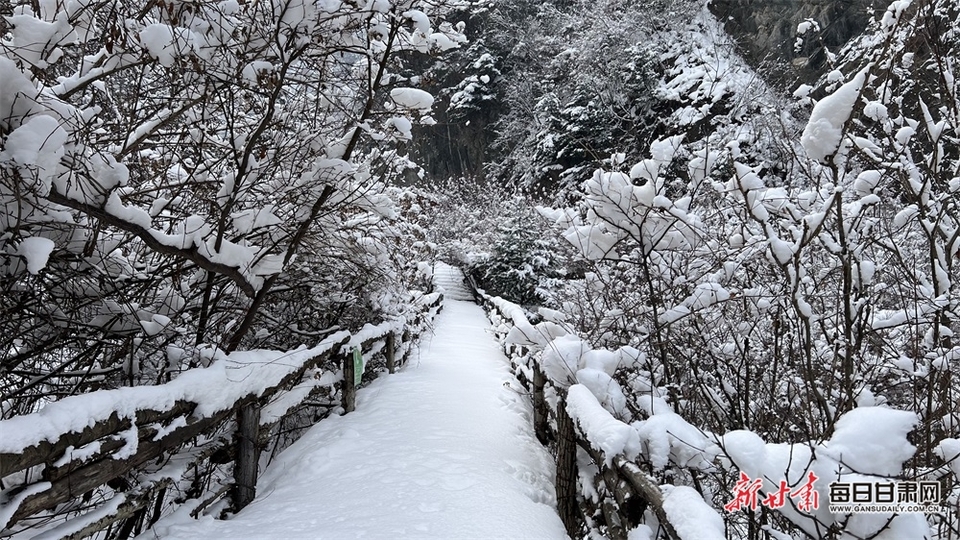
{"x":449,"y":279}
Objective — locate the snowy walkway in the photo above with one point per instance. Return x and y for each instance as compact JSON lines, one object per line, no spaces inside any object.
{"x":442,"y":449}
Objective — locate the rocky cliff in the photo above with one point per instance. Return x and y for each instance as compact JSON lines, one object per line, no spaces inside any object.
{"x":766,"y":31}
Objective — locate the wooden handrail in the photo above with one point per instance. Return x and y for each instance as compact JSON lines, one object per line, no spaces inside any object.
{"x":160,"y":434}
{"x":631,"y":491}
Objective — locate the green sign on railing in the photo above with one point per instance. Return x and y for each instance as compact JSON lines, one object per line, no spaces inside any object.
{"x":357,"y":366}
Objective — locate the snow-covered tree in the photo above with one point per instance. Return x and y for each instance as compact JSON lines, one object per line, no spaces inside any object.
{"x":779,"y":286}
{"x":180,"y":175}
{"x":522,"y":263}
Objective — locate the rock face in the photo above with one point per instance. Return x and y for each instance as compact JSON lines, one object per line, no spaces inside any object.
{"x":766,"y":31}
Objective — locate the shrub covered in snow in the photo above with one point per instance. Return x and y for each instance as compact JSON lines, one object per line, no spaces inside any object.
{"x":787,"y":290}
{"x":178,"y":176}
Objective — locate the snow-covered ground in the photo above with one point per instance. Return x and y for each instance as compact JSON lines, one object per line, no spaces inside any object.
{"x":442,"y":449}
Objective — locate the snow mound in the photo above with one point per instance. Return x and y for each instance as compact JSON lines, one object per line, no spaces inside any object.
{"x":690,"y":515}
{"x":37,"y":145}
{"x":36,"y":251}
{"x":605,"y":433}
{"x":873,"y":440}
{"x":412,"y":98}
{"x":562,"y":358}
{"x":821,"y":138}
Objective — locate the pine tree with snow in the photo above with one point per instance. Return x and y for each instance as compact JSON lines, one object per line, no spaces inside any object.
{"x":520,"y":262}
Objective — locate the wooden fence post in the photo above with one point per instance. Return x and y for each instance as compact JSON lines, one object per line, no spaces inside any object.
{"x":567,"y":505}
{"x":541,"y":425}
{"x":391,"y":351}
{"x":349,"y":399}
{"x":248,"y":453}
{"x":405,"y":338}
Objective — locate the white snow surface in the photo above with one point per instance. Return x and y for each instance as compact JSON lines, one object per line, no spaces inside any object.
{"x":873,"y":440}
{"x":690,"y":515}
{"x":442,"y":449}
{"x":36,"y":250}
{"x":412,"y":98}
{"x":949,"y":451}
{"x":36,"y":145}
{"x":214,"y":388}
{"x":821,"y":138}
{"x":605,"y":433}
{"x":869,"y":444}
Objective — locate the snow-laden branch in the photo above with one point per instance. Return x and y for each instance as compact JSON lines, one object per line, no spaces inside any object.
{"x":869,"y":443}
{"x":147,"y":236}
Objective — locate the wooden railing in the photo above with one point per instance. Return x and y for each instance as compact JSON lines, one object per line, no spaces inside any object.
{"x":627,"y":492}
{"x":109,"y":460}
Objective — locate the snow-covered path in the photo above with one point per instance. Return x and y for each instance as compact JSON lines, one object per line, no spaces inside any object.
{"x":450,"y":281}
{"x":442,"y":449}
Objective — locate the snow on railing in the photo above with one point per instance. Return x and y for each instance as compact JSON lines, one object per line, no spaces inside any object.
{"x":141,"y":440}
{"x":211,"y":389}
{"x":572,"y":383}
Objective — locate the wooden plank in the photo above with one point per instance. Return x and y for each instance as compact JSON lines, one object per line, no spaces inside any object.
{"x":615,"y":530}
{"x":219,"y":494}
{"x":643,"y":492}
{"x":101,"y":471}
{"x":126,"y":509}
{"x":48,"y":452}
{"x":107,"y":446}
{"x":635,"y":476}
{"x":294,"y":378}
{"x":406,"y":337}
{"x":630,"y":505}
{"x":73,"y":479}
